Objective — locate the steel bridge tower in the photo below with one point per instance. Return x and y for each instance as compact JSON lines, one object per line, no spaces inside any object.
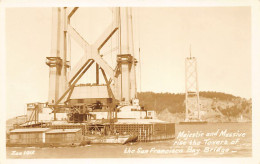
{"x":120,"y":86}
{"x":192,"y":100}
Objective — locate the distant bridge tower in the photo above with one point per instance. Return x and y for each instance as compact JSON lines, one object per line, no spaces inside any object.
{"x":192,"y":90}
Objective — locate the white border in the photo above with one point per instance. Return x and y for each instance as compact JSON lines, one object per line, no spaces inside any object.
{"x":154,"y":3}
{"x":255,"y":6}
{"x":2,"y":83}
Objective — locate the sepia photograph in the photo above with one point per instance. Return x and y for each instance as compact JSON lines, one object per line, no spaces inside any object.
{"x":128,"y":82}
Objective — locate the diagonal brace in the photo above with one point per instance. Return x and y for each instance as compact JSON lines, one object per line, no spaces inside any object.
{"x":73,"y":84}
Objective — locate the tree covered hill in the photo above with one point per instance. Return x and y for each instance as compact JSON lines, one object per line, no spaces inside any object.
{"x":160,"y":101}
{"x":229,"y":105}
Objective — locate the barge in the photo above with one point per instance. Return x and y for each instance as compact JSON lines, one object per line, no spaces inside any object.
{"x":131,"y":126}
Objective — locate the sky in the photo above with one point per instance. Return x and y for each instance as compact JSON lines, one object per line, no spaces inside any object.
{"x":220,"y":39}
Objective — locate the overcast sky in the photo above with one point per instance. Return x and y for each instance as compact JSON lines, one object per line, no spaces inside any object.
{"x":220,"y":38}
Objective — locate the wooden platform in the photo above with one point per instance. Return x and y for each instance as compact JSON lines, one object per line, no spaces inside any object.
{"x":145,"y":129}
{"x":192,"y":122}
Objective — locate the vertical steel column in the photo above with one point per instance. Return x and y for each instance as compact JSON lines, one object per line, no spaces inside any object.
{"x":133,"y":87}
{"x":197,"y":93}
{"x":63,"y":51}
{"x":54,"y":69}
{"x":128,"y":86}
{"x":186,"y":92}
{"x":58,"y":60}
{"x":97,"y":73}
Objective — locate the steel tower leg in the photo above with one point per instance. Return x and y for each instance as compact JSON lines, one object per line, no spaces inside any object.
{"x":126,"y":59}
{"x":57,"y":62}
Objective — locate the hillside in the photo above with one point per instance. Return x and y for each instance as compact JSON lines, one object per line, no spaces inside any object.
{"x":217,"y":106}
